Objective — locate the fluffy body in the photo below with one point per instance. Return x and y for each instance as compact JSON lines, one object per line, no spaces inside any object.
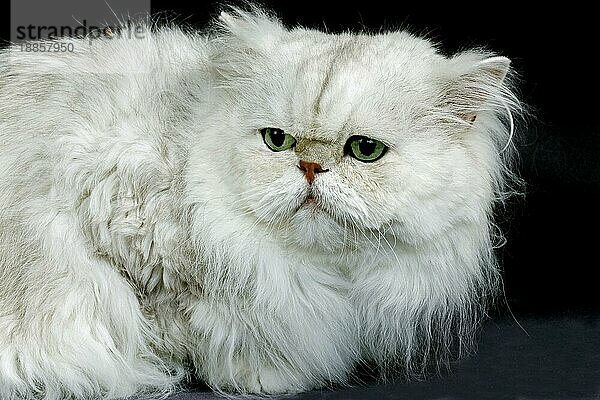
{"x":148,"y":234}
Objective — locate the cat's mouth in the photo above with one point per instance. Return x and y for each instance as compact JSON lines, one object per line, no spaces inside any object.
{"x":310,"y":201}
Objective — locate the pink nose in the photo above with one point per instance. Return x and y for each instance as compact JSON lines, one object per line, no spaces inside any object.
{"x":310,"y":169}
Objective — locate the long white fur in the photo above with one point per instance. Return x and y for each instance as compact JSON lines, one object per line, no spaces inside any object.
{"x":147,"y":234}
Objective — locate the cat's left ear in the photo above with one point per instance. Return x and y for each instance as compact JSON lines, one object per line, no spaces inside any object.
{"x":477,"y":84}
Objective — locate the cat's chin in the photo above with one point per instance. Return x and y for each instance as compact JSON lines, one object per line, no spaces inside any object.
{"x":314,"y":228}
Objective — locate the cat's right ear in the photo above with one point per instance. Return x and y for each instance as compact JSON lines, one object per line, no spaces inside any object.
{"x":244,"y":41}
{"x":253,"y":30}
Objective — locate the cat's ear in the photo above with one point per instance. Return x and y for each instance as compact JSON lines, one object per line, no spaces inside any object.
{"x":477,"y":84}
{"x":254,"y":30}
{"x":244,"y":42}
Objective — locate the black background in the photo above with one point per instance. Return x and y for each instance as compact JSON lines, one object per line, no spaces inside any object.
{"x":550,"y":259}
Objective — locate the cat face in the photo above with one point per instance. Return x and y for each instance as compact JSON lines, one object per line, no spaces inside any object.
{"x":335,"y":138}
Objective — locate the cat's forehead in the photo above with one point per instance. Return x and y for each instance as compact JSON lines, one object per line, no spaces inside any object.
{"x":347,"y":82}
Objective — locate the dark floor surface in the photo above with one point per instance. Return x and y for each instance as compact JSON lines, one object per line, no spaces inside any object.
{"x":548,"y":358}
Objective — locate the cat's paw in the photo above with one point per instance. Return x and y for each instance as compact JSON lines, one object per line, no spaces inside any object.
{"x":273,"y":381}
{"x":267,"y":380}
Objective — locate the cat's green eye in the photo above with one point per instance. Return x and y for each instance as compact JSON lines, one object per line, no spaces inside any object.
{"x":277,"y":140}
{"x":365,"y":149}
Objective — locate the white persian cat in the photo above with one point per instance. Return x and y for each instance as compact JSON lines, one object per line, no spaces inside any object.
{"x":261,"y":208}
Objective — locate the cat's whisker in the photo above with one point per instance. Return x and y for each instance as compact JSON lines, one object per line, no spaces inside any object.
{"x":391,"y":248}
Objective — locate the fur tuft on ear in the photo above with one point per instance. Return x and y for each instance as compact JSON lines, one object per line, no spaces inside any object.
{"x":254,"y":28}
{"x":495,"y":67}
{"x":478,"y":84}
{"x":242,"y":43}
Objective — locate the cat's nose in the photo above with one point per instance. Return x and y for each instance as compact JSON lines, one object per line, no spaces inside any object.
{"x":310,"y":169}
